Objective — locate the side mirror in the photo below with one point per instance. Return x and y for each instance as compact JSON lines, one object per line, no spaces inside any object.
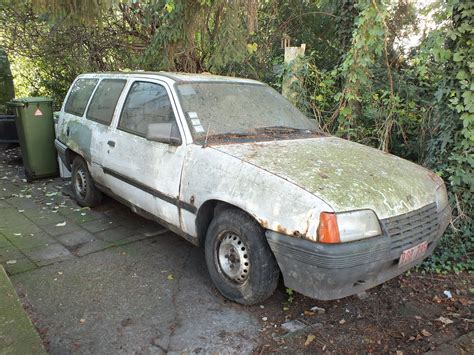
{"x":166,"y":132}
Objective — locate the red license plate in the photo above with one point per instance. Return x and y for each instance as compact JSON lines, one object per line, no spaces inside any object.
{"x":413,"y":253}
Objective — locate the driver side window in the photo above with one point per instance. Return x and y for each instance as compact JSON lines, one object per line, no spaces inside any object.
{"x":146,"y":103}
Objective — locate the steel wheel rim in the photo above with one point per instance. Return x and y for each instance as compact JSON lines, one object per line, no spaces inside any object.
{"x":80,"y":183}
{"x":232,"y":257}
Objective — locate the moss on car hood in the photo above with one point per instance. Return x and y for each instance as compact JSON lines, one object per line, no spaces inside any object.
{"x":346,"y":175}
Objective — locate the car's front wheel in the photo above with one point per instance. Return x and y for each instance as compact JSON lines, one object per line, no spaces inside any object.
{"x":85,"y":192}
{"x":239,"y":259}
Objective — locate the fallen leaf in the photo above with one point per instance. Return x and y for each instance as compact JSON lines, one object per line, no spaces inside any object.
{"x":309,"y":313}
{"x":318,"y":309}
{"x":309,"y":339}
{"x":464,"y":301}
{"x":436,"y":299}
{"x":425,"y":333}
{"x":61,"y":224}
{"x":445,"y":320}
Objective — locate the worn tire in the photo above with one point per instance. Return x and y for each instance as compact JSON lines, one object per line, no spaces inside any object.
{"x":261,"y":278}
{"x":85,"y":192}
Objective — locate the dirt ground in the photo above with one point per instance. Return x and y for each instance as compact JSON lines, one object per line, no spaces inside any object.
{"x":409,"y":314}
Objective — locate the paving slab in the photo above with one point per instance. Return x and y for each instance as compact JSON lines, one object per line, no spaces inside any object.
{"x":76,"y":238}
{"x":48,"y":254}
{"x":19,"y":265}
{"x":17,"y":333}
{"x":32,"y":240}
{"x":4,"y":243}
{"x":99,"y":225}
{"x":114,"y":234}
{"x":61,"y":228}
{"x":90,"y":247}
{"x":10,"y":253}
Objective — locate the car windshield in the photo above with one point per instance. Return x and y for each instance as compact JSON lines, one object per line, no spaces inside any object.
{"x":240,"y":109}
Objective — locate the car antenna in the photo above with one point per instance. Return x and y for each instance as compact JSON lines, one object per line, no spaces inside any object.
{"x":207,"y":135}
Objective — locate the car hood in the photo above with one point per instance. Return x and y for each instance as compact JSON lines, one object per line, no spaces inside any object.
{"x":346,"y":175}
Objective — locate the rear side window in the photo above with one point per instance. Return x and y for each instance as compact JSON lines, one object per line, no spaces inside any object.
{"x":146,"y":103}
{"x":79,"y":96}
{"x":105,"y":98}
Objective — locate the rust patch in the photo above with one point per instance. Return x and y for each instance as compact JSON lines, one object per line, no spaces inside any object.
{"x":282,"y":230}
{"x":263,"y":223}
{"x":433,"y":176}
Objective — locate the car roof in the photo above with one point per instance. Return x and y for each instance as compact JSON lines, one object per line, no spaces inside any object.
{"x":177,"y":77}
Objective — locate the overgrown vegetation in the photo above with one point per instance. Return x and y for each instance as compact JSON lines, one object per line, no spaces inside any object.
{"x":363,"y":78}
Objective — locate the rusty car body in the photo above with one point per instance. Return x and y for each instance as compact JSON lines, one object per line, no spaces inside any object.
{"x":229,"y":164}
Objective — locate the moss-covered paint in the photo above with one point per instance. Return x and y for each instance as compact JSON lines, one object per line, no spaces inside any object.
{"x":346,"y":175}
{"x":78,"y":137}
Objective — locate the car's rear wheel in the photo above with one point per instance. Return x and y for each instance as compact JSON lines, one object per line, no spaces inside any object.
{"x":239,"y":260}
{"x":85,"y":192}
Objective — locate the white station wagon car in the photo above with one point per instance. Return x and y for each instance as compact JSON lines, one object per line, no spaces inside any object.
{"x":230,"y":164}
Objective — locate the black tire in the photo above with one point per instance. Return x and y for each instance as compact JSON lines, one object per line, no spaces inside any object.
{"x":85,"y":192}
{"x":256,"y":272}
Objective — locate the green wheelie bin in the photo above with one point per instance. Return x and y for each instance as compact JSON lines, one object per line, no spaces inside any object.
{"x":35,"y":126}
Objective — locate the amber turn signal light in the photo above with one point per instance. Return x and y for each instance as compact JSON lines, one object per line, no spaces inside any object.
{"x":328,"y":232}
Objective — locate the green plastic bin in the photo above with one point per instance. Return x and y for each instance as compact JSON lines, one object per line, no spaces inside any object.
{"x":35,"y":126}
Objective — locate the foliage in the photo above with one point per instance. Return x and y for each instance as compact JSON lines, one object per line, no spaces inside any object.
{"x":6,"y":82}
{"x":451,"y":150}
{"x":359,"y":79}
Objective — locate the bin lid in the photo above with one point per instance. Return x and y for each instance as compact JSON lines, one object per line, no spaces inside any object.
{"x":28,"y":100}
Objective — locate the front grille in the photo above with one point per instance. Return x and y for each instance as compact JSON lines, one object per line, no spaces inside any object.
{"x":412,"y":228}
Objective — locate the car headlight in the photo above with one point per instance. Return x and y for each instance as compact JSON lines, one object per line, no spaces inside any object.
{"x":441,"y":198}
{"x":347,"y":226}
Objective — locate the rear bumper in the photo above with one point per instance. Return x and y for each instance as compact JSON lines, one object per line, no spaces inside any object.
{"x":332,"y":271}
{"x":61,"y":149}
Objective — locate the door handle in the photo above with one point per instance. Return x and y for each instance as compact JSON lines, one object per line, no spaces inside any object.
{"x":111,"y":143}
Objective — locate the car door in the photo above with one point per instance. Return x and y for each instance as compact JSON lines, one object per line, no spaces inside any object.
{"x":99,"y":115}
{"x":143,"y":172}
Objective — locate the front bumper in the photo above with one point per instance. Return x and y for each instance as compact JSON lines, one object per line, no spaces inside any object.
{"x":332,"y":271}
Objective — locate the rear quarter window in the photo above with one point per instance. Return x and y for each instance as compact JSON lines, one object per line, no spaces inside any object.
{"x":102,"y":106}
{"x":79,"y":96}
